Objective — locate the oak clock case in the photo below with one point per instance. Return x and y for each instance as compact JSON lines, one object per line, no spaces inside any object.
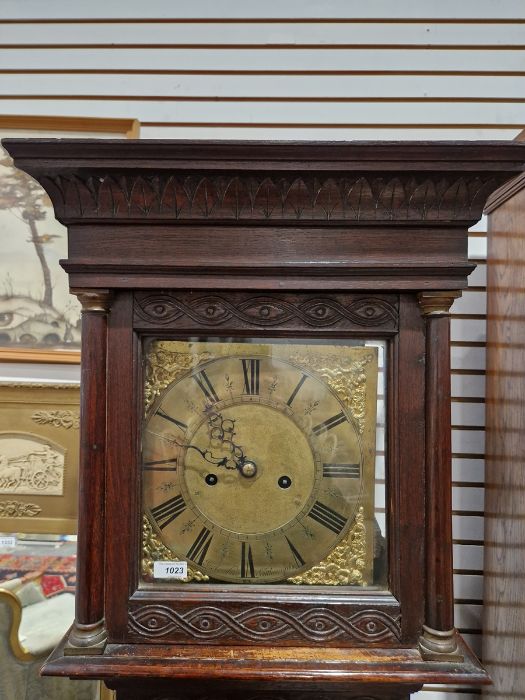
{"x":226,"y":289}
{"x":259,"y":462}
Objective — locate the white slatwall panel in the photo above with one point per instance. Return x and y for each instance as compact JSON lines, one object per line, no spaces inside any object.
{"x":240,"y":61}
{"x":267,"y":35}
{"x":275,"y":9}
{"x":267,"y":87}
{"x":340,"y":69}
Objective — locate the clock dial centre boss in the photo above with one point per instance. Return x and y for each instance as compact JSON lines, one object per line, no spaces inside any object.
{"x":258,"y":462}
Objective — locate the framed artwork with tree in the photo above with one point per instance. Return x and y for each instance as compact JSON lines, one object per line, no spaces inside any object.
{"x":39,"y":319}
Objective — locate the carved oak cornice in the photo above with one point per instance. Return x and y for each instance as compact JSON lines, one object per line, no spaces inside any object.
{"x":346,"y":183}
{"x":261,"y":197}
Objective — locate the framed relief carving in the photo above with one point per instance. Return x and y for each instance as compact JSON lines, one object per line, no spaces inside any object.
{"x":38,"y":457}
{"x":39,"y":319}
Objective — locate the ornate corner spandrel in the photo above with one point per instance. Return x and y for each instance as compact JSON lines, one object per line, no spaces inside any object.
{"x":437,"y":303}
{"x":346,"y":563}
{"x":93,"y":300}
{"x":153,"y":549}
{"x":348,"y":380}
{"x":164,"y":366}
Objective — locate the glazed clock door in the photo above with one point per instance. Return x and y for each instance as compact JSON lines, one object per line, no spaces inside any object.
{"x":261,"y":470}
{"x":259,"y":461}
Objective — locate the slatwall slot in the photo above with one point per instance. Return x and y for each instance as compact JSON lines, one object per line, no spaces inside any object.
{"x":468,"y":469}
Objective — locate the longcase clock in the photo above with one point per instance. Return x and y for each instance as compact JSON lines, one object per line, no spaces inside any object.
{"x":265,"y":429}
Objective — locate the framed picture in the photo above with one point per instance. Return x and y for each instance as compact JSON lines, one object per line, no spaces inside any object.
{"x":39,"y":319}
{"x":39,"y":441}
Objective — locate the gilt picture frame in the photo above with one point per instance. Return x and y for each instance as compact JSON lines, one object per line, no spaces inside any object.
{"x":39,"y":448}
{"x":39,"y":319}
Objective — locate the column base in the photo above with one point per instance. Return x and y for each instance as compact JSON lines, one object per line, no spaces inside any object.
{"x":86,"y":640}
{"x":439,"y":645}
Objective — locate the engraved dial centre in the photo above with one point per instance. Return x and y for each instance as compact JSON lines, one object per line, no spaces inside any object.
{"x":252,"y":502}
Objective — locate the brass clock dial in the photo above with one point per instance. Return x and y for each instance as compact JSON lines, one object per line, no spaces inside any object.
{"x":253,"y":463}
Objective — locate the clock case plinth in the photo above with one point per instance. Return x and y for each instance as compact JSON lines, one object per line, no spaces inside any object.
{"x":349,"y":226}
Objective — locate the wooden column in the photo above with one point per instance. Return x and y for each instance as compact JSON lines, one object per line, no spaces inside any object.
{"x":438,"y":640}
{"x":88,"y":634}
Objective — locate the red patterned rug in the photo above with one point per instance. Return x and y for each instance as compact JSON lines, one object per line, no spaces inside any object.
{"x":55,"y":574}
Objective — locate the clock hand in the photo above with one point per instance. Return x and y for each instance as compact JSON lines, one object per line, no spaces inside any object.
{"x":237,"y":460}
{"x":206,"y":454}
{"x":222,"y":430}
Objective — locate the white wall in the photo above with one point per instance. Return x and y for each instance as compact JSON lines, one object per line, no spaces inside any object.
{"x":297,"y":69}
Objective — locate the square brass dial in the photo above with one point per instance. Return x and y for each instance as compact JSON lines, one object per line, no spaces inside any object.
{"x":258,"y":461}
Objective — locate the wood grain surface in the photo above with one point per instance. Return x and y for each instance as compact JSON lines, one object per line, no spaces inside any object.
{"x":504,"y":612}
{"x":325,"y":222}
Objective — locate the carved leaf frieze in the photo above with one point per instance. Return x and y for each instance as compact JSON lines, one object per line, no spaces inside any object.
{"x":269,"y":197}
{"x":263,"y":624}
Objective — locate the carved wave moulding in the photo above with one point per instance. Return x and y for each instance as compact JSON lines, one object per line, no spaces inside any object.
{"x":263,"y":624}
{"x":265,"y":311}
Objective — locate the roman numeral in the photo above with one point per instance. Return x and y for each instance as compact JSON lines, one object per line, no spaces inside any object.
{"x":340,"y":471}
{"x":155,"y":465}
{"x":297,"y":557}
{"x":206,"y":386}
{"x":178,"y":423}
{"x":329,"y":423}
{"x":251,"y":369}
{"x":247,"y":569}
{"x":327,"y":517}
{"x":296,"y":390}
{"x":199,"y":548}
{"x":166,"y":512}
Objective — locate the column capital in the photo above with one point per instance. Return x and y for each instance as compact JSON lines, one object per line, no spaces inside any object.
{"x":437,"y":303}
{"x":93,"y":299}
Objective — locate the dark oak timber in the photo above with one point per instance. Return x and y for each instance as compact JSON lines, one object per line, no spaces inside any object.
{"x":438,"y":632}
{"x":89,"y":628}
{"x":316,"y":241}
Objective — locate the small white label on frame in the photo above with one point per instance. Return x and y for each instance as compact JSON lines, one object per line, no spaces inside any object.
{"x":170,"y":569}
{"x":7,"y":541}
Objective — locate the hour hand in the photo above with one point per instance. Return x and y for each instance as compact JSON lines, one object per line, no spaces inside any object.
{"x":208,"y":456}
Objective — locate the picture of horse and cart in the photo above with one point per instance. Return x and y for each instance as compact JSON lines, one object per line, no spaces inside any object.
{"x":30,"y":466}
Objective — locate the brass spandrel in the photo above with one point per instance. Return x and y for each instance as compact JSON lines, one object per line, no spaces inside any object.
{"x":346,"y":563}
{"x":164,"y":366}
{"x":153,"y":549}
{"x":349,"y":380}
